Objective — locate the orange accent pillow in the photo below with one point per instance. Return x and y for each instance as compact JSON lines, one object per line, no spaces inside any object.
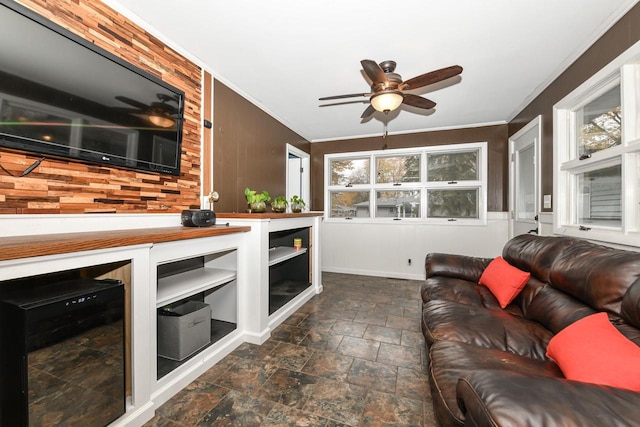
{"x":592,"y":350}
{"x":503,"y":280}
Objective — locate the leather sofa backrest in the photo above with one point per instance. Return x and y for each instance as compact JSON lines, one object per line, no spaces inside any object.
{"x":599,"y":276}
{"x":631,"y":305}
{"x":550,"y":307}
{"x":535,"y":254}
{"x":572,"y":278}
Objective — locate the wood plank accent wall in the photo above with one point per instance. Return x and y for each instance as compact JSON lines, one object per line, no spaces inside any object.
{"x":69,"y":187}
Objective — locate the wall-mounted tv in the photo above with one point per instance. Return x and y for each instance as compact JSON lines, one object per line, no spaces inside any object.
{"x":62,"y":96}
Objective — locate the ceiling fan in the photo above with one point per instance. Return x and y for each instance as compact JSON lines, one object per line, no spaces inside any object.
{"x":388,"y":90}
{"x":161,"y":114}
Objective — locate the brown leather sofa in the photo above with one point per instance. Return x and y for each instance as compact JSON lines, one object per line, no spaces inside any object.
{"x":487,"y":365}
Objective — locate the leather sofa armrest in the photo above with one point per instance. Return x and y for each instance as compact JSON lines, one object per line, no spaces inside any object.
{"x":456,"y":266}
{"x":503,"y":398}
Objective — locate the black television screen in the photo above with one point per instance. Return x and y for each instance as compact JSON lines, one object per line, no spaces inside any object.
{"x":62,"y":96}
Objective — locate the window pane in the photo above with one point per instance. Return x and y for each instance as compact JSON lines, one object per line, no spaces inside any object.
{"x":600,"y":197}
{"x":453,"y":166}
{"x":452,"y":203}
{"x":350,"y":171}
{"x":349,"y":204}
{"x":398,"y":204}
{"x":525,"y":188}
{"x":398,"y":169}
{"x":601,"y":123}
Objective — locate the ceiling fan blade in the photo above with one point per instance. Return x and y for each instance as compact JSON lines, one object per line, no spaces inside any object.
{"x":351,"y":95}
{"x":432,"y":77}
{"x":375,"y":73}
{"x":331,"y":104}
{"x":368,"y":112}
{"x":132,"y":102}
{"x":418,"y":101}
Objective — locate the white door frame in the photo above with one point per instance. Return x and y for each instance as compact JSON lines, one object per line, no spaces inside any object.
{"x":305,"y":174}
{"x":531,"y":126}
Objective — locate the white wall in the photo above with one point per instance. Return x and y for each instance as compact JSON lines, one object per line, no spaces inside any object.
{"x":383,"y":249}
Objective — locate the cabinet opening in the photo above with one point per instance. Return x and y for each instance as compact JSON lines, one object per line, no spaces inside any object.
{"x":289,"y":266}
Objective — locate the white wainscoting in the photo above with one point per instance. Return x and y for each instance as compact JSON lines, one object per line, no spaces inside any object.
{"x":383,"y":250}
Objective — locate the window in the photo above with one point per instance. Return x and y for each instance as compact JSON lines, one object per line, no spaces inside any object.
{"x":443,"y":184}
{"x":597,"y":147}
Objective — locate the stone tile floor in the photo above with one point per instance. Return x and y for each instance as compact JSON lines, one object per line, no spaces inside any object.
{"x":351,"y":356}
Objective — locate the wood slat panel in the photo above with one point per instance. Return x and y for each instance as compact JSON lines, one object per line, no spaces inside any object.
{"x":59,"y":186}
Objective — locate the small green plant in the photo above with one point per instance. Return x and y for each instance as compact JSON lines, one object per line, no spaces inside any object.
{"x":297,"y":204}
{"x":254,"y":197}
{"x":257,"y":201}
{"x":279,"y":204}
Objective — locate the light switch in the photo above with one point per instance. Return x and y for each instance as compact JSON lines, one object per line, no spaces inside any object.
{"x":547,"y":201}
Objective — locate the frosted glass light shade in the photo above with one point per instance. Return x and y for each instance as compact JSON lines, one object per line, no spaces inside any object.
{"x":387,"y":101}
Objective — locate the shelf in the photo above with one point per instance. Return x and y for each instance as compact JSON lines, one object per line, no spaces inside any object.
{"x":182,"y":285}
{"x":219,"y":330}
{"x":283,"y":291}
{"x":283,"y":253}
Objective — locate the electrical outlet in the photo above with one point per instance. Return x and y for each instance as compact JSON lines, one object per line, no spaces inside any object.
{"x":547,"y":201}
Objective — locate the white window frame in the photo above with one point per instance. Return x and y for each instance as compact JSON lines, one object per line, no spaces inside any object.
{"x":625,"y":71}
{"x":423,"y":185}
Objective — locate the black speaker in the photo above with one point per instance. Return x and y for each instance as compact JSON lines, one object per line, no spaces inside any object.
{"x":198,"y":218}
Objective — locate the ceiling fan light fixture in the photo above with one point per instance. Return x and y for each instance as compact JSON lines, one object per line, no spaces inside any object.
{"x":386,"y":101}
{"x":161,"y":121}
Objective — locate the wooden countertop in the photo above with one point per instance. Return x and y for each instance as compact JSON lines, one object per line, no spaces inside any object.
{"x":53,"y":244}
{"x":267,"y":215}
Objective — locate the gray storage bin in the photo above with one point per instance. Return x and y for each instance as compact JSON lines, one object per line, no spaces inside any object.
{"x":183,"y":329}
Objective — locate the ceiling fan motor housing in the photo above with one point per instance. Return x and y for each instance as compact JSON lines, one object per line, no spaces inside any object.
{"x":388,"y":66}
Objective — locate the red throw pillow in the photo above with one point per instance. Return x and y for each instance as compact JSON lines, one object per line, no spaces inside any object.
{"x":503,"y":280}
{"x":592,"y":350}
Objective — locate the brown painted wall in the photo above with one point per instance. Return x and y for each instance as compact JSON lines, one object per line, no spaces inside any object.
{"x":496,"y":136}
{"x":70,"y":187}
{"x":249,"y":149}
{"x":620,"y":37}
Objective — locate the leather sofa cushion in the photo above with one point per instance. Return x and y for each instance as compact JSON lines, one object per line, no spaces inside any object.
{"x":452,"y":321}
{"x":502,"y":398}
{"x":450,"y":361}
{"x":458,"y":290}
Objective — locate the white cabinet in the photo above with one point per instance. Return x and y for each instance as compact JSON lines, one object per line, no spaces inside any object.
{"x":206,"y":270}
{"x":137,"y":256}
{"x":281,"y":278}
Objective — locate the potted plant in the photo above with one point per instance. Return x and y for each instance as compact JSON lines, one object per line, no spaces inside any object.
{"x":279,"y":204}
{"x":297,"y":204}
{"x":257,"y":201}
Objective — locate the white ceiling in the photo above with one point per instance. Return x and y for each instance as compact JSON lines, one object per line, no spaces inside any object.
{"x":283,"y":55}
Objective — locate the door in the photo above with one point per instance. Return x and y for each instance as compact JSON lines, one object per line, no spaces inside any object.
{"x":298,"y":174}
{"x":524,"y":179}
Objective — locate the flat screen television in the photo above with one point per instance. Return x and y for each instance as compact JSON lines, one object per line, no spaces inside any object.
{"x":62,"y":96}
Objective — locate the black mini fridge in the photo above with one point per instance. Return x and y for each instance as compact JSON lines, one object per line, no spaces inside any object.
{"x":62,"y":352}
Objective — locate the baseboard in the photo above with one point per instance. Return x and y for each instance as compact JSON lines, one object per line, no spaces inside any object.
{"x":374,"y":273}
